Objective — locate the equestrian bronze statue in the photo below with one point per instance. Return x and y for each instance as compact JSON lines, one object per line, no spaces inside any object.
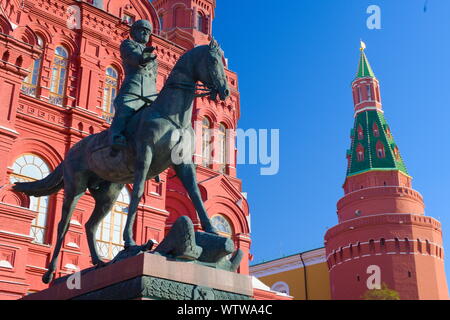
{"x":150,"y":149}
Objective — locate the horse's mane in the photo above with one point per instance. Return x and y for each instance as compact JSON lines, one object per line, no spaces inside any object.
{"x":185,"y":60}
{"x":183,"y":65}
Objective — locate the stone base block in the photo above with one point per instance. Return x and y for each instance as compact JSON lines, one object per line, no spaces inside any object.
{"x":150,"y":276}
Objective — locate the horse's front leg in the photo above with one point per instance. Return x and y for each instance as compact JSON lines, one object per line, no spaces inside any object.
{"x":144,"y":159}
{"x":186,"y":173}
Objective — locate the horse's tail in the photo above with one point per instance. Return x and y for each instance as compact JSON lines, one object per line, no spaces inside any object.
{"x":44,"y":187}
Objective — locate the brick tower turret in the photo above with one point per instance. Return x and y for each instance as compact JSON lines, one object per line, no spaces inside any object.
{"x":186,"y":22}
{"x":383,"y":235}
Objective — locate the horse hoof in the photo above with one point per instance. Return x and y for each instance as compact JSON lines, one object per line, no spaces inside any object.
{"x":47,"y":277}
{"x":149,"y":245}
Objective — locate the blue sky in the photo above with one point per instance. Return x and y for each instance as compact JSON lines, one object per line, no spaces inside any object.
{"x":295,"y":61}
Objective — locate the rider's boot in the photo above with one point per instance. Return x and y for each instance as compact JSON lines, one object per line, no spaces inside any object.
{"x":118,"y":125}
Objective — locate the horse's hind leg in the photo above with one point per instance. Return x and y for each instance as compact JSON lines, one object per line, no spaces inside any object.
{"x":73,"y":189}
{"x":104,"y":196}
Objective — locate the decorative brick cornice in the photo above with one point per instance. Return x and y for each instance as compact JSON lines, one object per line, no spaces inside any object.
{"x":19,"y":213}
{"x":16,"y":56}
{"x":374,"y":248}
{"x":383,"y":219}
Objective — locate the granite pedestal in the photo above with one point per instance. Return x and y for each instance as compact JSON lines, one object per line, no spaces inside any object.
{"x":150,"y":276}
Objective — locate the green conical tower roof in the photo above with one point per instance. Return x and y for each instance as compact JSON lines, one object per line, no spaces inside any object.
{"x":373,"y":146}
{"x":364,"y":69}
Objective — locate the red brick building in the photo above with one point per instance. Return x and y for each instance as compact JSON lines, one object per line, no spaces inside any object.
{"x":60,"y":69}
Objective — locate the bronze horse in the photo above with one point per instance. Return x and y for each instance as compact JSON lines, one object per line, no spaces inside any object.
{"x":90,"y":164}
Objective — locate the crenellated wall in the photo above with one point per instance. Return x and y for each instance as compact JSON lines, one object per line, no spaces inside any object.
{"x":407,"y":248}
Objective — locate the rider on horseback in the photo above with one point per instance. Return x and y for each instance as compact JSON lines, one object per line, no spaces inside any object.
{"x":139,"y":86}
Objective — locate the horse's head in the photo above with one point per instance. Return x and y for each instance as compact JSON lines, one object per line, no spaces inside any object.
{"x":211,"y":72}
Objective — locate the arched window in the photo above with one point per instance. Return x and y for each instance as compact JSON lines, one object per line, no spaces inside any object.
{"x":161,"y":21}
{"x":200,"y":22}
{"x":388,"y":131}
{"x":383,"y":245}
{"x":376,"y":131}
{"x":223,"y":152}
{"x":59,"y":76}
{"x":372,"y":246}
{"x":407,"y":245}
{"x":360,"y":132}
{"x":109,"y":233}
{"x":369,"y":92}
{"x":360,"y":152}
{"x":380,"y":150}
{"x":109,"y":92}
{"x":396,"y":153}
{"x":222,"y":225}
{"x":280,"y":286}
{"x":360,"y":94}
{"x":419,"y":245}
{"x":428,"y":246}
{"x":31,"y":82}
{"x":30,"y":167}
{"x":206,"y":141}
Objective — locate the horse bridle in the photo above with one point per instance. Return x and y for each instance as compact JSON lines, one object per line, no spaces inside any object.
{"x":209,"y":88}
{"x":193,"y":87}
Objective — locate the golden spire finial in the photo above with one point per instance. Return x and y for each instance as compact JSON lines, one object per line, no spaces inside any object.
{"x":363,"y":45}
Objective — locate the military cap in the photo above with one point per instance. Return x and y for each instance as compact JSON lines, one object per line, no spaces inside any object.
{"x":142,"y":24}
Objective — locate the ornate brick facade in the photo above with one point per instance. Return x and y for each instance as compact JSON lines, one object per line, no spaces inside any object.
{"x":59,"y":67}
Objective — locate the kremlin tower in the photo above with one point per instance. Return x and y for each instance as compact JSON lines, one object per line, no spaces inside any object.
{"x":383,"y":236}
